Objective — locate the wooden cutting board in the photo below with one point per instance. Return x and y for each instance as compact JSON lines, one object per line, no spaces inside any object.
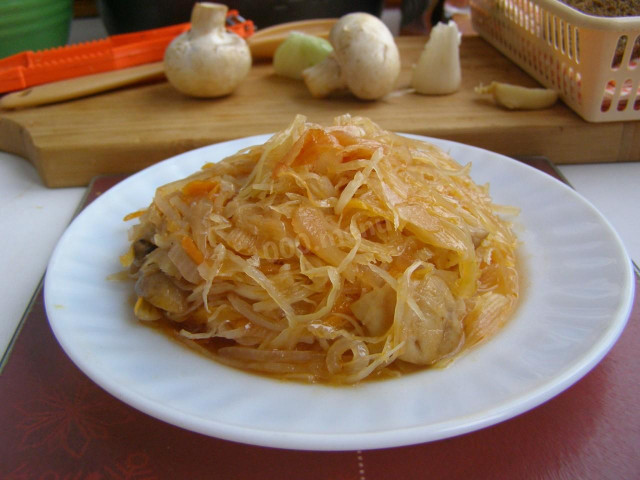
{"x":126,"y":130}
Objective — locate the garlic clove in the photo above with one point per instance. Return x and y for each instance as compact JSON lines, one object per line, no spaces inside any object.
{"x":438,"y":69}
{"x":516,"y":97}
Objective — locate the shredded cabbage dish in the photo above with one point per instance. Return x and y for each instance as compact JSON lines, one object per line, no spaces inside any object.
{"x":328,"y":254}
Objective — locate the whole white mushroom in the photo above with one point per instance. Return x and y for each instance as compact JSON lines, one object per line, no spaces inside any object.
{"x":207,"y":60}
{"x":365,"y":59}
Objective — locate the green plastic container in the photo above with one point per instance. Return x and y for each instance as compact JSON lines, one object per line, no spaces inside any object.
{"x":33,"y":24}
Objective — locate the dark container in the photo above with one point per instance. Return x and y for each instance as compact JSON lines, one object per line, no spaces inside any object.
{"x":123,"y":16}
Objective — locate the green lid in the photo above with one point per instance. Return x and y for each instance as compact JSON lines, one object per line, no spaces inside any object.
{"x":33,"y":25}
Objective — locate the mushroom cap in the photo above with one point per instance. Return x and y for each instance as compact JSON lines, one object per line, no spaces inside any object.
{"x":206,"y":66}
{"x":367,"y":53}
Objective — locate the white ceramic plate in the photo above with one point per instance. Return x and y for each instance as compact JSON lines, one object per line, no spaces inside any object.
{"x":578,"y":294}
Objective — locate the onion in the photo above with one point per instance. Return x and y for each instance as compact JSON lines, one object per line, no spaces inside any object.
{"x":335,"y":356}
{"x":183,"y":263}
{"x":245,"y":310}
{"x":298,"y":52}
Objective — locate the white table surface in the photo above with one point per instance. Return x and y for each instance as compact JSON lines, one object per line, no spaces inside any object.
{"x":32,"y":217}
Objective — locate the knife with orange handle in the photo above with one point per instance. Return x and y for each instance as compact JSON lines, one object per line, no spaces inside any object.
{"x":262,"y":44}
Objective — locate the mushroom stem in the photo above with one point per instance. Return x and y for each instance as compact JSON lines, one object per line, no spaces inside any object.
{"x":324,"y":78}
{"x":207,"y":17}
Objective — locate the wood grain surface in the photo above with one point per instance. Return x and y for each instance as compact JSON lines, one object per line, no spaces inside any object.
{"x":126,"y":130}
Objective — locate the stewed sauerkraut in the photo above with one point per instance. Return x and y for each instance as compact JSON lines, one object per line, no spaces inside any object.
{"x":328,"y":254}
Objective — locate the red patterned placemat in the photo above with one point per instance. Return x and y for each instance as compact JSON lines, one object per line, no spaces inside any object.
{"x":55,"y":423}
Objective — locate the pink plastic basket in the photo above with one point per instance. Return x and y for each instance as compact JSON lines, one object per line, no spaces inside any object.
{"x":593,"y":62}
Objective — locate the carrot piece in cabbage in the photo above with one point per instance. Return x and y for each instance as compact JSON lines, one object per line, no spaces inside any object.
{"x":133,"y":215}
{"x":191,"y":249}
{"x":197,"y":188}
